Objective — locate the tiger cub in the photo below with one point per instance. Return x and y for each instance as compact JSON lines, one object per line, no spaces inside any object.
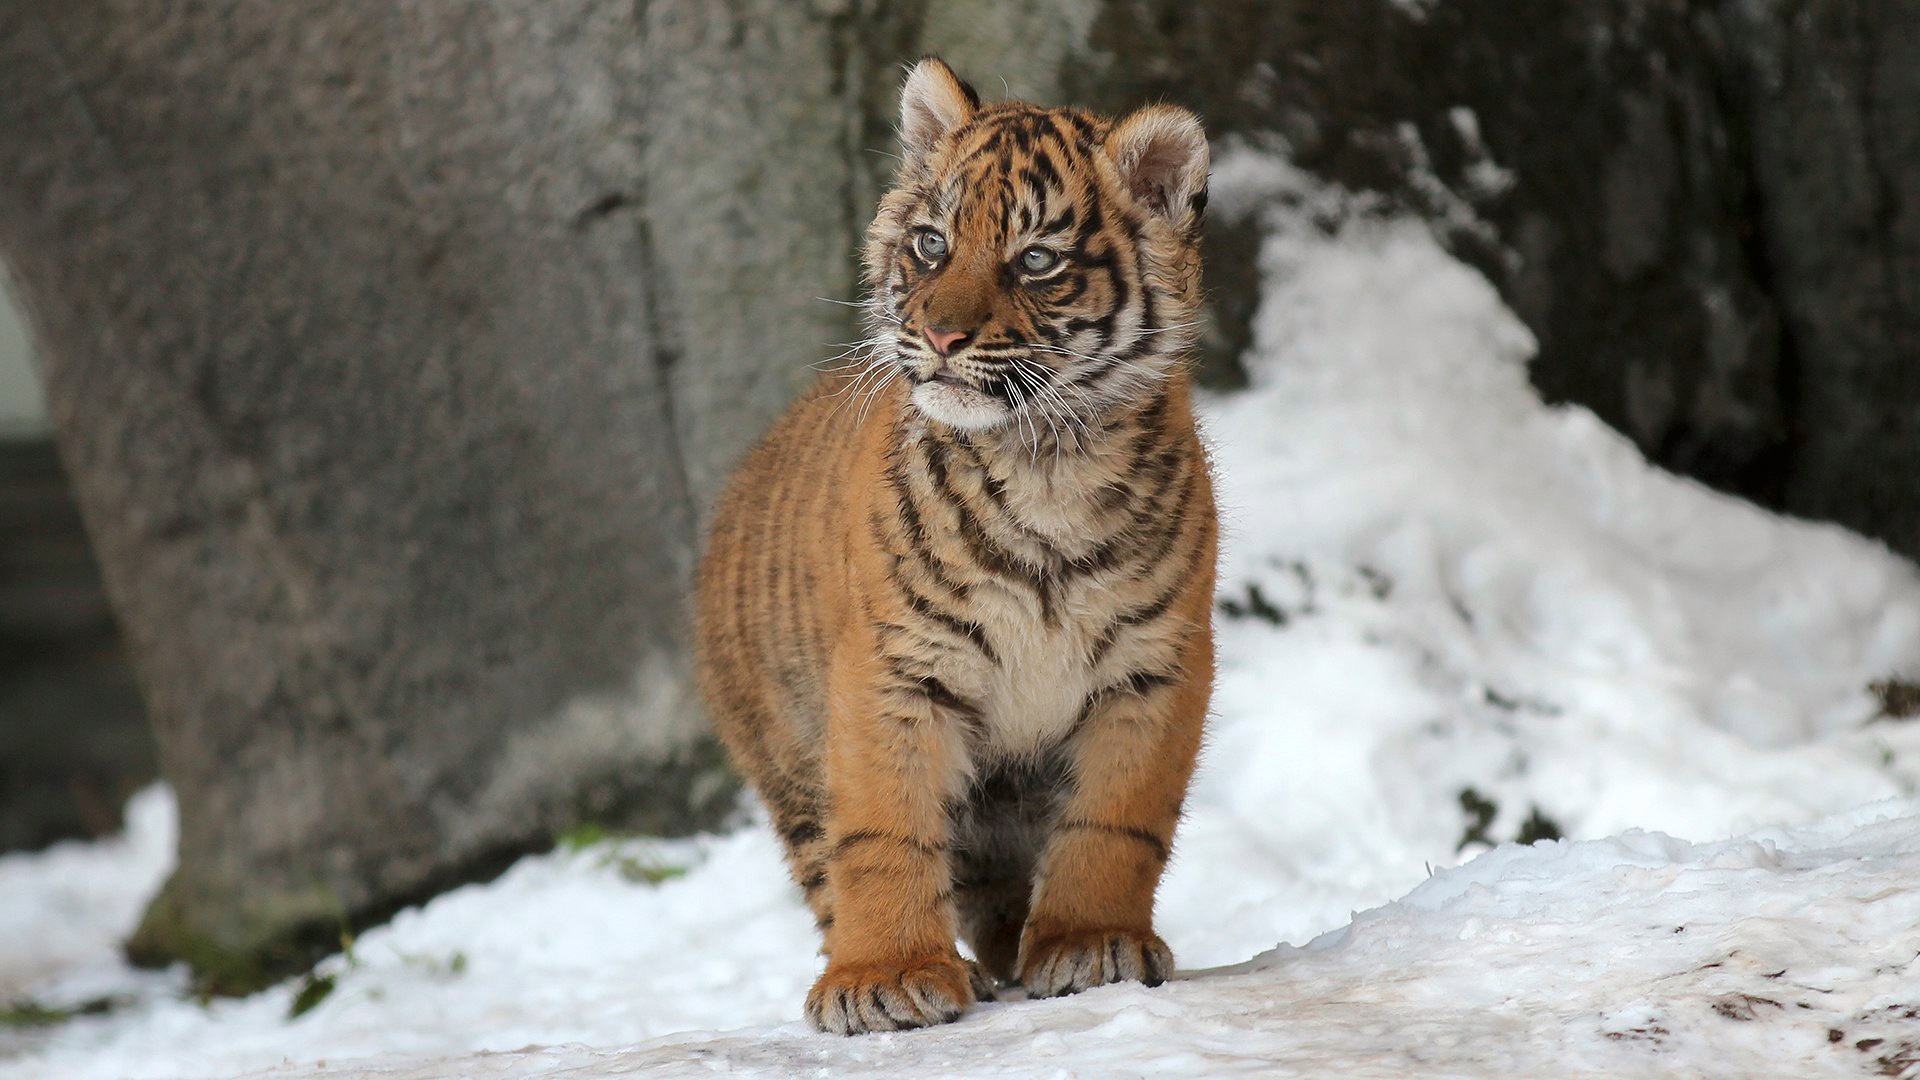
{"x":954,"y":614}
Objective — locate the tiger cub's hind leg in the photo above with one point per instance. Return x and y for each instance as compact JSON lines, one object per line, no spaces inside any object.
{"x":1001,"y":831}
{"x":796,"y":820}
{"x":991,"y":903}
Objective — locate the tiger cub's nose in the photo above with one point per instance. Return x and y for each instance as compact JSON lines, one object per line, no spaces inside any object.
{"x":944,"y":341}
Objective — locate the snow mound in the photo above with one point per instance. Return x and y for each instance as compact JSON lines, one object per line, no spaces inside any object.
{"x":1451,"y":617}
{"x":1790,"y":952}
{"x":63,"y":911}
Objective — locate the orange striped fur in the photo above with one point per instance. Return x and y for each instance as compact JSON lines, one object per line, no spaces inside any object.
{"x":954,"y":614}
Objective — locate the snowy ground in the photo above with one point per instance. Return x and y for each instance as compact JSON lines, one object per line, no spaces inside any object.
{"x":1452,"y":617}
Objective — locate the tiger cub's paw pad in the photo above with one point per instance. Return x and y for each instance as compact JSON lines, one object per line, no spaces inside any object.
{"x":854,"y":1000}
{"x":1070,"y":963}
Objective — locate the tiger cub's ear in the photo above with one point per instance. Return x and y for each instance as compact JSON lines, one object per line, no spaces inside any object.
{"x":933,"y":102}
{"x":1161,"y":154}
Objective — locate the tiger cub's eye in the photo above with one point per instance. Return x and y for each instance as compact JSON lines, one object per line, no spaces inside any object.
{"x":1038,"y":260}
{"x":932,"y":245}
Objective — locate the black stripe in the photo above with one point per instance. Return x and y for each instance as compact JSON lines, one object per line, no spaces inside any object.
{"x":1071,"y":287}
{"x":919,"y":539}
{"x":1036,"y":188}
{"x":935,"y":690}
{"x":1158,"y":606}
{"x":1084,"y":133}
{"x":942,"y":695}
{"x":1166,"y":525}
{"x":1136,"y":683}
{"x":799,"y":833}
{"x":1133,"y":832}
{"x":1114,"y":495}
{"x":1044,"y":170}
{"x":985,"y":552}
{"x":874,"y":836}
{"x":1094,"y":221}
{"x":1140,"y":616}
{"x":1123,"y":294}
{"x":971,"y":631}
{"x":1021,"y":136}
{"x":1153,"y":424}
{"x":1148,"y":317}
{"x":996,"y":491}
{"x":1062,"y":221}
{"x":1141,"y":683}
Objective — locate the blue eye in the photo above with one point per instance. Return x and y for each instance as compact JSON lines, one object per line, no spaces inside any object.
{"x":1038,"y":260}
{"x":931,"y":245}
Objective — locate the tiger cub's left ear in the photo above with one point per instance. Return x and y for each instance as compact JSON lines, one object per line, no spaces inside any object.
{"x":933,"y":102}
{"x":1161,"y":154}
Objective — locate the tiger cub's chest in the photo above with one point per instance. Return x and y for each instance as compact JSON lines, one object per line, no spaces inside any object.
{"x":1049,"y":570}
{"x":1047,"y":662}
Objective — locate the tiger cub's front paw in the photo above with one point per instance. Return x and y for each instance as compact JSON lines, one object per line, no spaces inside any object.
{"x":1067,"y":963}
{"x":856,"y":999}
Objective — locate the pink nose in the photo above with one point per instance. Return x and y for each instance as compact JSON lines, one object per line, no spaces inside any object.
{"x":945,"y":341}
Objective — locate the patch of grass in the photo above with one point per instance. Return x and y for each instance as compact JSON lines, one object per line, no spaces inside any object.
{"x":637,"y":866}
{"x":1481,"y":811}
{"x":314,"y":989}
{"x":1256,"y":606}
{"x":17,"y":1015}
{"x":582,"y":836}
{"x":1378,"y":583}
{"x":1899,"y":698}
{"x":31,"y":1014}
{"x":1538,"y":826}
{"x":451,"y":966}
{"x":644,"y":871}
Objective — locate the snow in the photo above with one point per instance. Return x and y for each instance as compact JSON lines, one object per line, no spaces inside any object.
{"x":63,"y":911}
{"x":1459,"y":613}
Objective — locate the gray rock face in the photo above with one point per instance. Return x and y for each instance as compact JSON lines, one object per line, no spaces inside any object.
{"x":1577,"y":154}
{"x":349,"y":344}
{"x":1705,"y":212}
{"x":1832,"y":100}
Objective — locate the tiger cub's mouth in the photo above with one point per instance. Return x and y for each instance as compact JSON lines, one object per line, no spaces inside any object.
{"x":949,"y":397}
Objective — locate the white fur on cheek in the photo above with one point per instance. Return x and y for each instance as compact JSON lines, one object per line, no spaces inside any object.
{"x":968,"y":410}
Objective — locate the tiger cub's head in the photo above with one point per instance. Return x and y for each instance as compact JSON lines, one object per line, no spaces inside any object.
{"x":1035,"y":265}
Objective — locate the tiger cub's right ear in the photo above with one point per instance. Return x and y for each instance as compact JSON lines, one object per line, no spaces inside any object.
{"x":933,"y":102}
{"x":1161,"y":154}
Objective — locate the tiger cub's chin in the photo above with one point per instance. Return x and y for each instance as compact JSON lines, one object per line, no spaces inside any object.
{"x":960,"y":406}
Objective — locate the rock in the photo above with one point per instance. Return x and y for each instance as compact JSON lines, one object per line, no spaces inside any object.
{"x":350,"y":350}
